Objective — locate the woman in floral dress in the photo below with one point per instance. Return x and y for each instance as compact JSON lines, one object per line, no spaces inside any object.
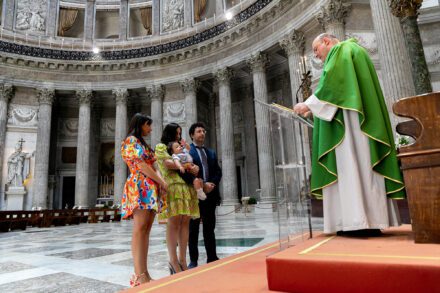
{"x":182,"y":201}
{"x":141,"y":199}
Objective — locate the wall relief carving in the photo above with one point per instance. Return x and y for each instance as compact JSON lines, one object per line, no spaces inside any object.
{"x":22,"y":116}
{"x":108,"y":127}
{"x":31,"y":15}
{"x":172,"y":15}
{"x":68,"y":127}
{"x":366,"y":40}
{"x":174,"y":112}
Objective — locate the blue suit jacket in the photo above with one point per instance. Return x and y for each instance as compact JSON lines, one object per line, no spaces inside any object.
{"x":215,"y":172}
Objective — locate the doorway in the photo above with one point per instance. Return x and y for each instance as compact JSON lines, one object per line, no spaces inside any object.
{"x":68,"y":192}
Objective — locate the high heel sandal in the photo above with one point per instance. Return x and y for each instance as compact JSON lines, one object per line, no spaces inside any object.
{"x":134,"y":280}
{"x":172,"y":270}
{"x":181,"y":267}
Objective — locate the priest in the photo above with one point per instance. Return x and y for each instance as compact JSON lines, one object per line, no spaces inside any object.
{"x":354,"y":165}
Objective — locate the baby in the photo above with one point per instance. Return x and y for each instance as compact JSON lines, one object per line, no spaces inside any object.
{"x":184,"y":162}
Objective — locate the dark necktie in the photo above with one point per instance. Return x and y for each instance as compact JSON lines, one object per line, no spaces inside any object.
{"x":204,"y":163}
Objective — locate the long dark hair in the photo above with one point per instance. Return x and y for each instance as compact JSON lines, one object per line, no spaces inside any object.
{"x":169,"y":133}
{"x":135,"y":128}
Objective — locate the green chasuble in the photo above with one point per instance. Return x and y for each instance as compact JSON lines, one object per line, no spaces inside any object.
{"x":349,"y":82}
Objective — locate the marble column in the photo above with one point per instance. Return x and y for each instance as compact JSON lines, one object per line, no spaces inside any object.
{"x":294,"y":46}
{"x":45,"y":98}
{"x":123,"y":20}
{"x":251,"y":156}
{"x":6,"y":93}
{"x":332,"y":17}
{"x":156,"y":94}
{"x":83,"y":148}
{"x":407,"y":12}
{"x":229,"y":179}
{"x":156,"y":18}
{"x":212,"y":122}
{"x":89,"y":20}
{"x":51,"y":19}
{"x":258,"y":63}
{"x":394,"y":59}
{"x":219,"y":8}
{"x":121,"y":96}
{"x":189,"y":88}
{"x":8,"y":20}
{"x":95,"y":141}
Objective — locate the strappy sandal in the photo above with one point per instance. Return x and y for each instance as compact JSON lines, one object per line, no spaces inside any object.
{"x":134,"y":280}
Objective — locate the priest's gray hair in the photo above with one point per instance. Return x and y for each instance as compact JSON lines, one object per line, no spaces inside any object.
{"x":326,"y":35}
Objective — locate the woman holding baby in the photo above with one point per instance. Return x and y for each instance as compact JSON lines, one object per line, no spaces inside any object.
{"x":182,"y":200}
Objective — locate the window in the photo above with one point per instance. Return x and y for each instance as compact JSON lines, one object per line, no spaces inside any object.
{"x":141,"y":22}
{"x":107,"y":24}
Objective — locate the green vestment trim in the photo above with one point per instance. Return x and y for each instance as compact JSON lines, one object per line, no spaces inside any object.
{"x":349,"y":81}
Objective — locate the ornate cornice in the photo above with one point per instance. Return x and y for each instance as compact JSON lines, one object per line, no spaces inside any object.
{"x":6,"y":92}
{"x":121,"y":95}
{"x":258,"y":62}
{"x":139,"y":52}
{"x":334,"y":12}
{"x":45,"y":95}
{"x":84,"y":96}
{"x":405,"y":8}
{"x":156,"y":92}
{"x":190,"y":85}
{"x":294,"y":43}
{"x":224,"y":75}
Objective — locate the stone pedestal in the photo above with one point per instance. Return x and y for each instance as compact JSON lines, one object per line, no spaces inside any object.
{"x":15,"y":198}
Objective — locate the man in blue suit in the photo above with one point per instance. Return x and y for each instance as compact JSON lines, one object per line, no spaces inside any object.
{"x":210,"y":172}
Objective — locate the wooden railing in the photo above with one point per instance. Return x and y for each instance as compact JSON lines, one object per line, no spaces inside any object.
{"x":14,"y":220}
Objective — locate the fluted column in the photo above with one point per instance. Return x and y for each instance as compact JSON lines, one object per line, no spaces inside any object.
{"x":229,"y":180}
{"x":156,"y":94}
{"x":52,"y":19}
{"x":120,"y":173}
{"x":189,"y":88}
{"x":156,"y":17}
{"x":212,"y":122}
{"x":332,"y":17}
{"x":45,"y":98}
{"x":294,"y":46}
{"x":6,"y":93}
{"x":407,"y":12}
{"x":123,"y":20}
{"x":394,"y":59}
{"x":258,"y":63}
{"x":8,"y":14}
{"x":89,"y":20}
{"x":83,"y":148}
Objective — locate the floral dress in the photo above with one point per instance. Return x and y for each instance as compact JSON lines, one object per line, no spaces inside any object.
{"x":181,"y":197}
{"x":139,"y":190}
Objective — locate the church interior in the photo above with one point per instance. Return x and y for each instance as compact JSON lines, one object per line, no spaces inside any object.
{"x":74,"y":72}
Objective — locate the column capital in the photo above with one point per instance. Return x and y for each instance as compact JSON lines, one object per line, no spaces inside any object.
{"x":45,"y":95}
{"x":121,"y":95}
{"x":294,"y":43}
{"x":190,"y":85}
{"x":258,"y":62}
{"x":405,"y":8}
{"x":334,"y":12}
{"x":6,"y":92}
{"x":224,"y":75}
{"x":84,"y":96}
{"x":156,"y":92}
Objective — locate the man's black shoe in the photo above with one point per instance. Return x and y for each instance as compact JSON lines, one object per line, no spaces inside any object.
{"x":361,"y":233}
{"x":192,"y":265}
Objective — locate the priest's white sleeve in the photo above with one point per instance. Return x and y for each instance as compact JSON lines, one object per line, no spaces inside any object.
{"x":320,"y":109}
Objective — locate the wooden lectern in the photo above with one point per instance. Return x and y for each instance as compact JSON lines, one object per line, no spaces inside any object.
{"x":421,"y":163}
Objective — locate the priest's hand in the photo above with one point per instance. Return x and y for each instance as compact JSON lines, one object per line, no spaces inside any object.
{"x":302,"y":109}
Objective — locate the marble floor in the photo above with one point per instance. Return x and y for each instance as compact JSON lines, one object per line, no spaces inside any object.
{"x":97,"y":257}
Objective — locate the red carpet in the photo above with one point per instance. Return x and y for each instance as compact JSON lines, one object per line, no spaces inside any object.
{"x":392,"y":263}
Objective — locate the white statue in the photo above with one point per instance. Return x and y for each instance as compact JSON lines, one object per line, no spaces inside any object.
{"x":18,"y":166}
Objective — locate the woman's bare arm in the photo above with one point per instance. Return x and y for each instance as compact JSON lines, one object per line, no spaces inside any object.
{"x":151,"y":173}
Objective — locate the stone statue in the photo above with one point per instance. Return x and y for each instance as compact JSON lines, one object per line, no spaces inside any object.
{"x":173,"y":15}
{"x":31,"y":15}
{"x":18,"y":166}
